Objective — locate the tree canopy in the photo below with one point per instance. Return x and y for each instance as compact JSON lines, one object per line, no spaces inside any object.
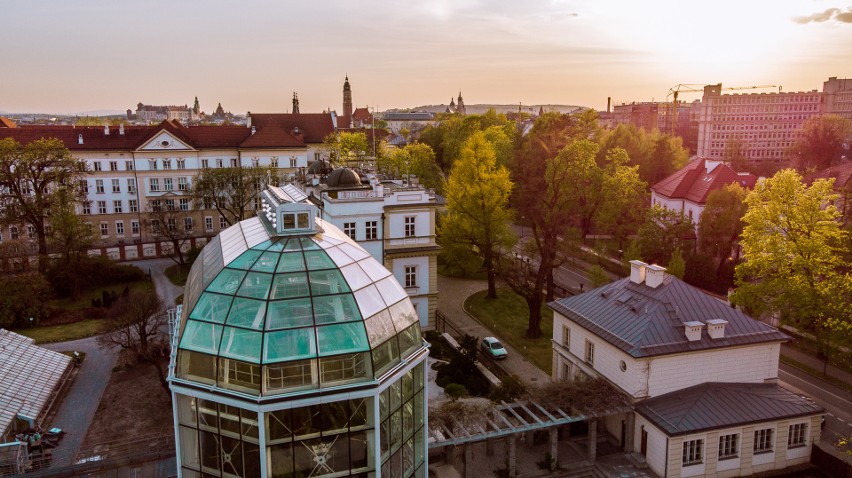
{"x":32,"y":177}
{"x":478,"y":214}
{"x":657,"y":154}
{"x":663,"y":232}
{"x":822,"y":142}
{"x":720,"y":224}
{"x":448,"y":137}
{"x":416,"y":159}
{"x":232,"y":191}
{"x":346,"y":146}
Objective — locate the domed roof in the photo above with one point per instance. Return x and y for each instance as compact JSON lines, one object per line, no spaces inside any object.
{"x":298,"y":311}
{"x":343,"y":177}
{"x":318,"y":167}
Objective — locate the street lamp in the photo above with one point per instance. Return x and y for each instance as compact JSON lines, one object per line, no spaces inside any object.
{"x":31,"y":322}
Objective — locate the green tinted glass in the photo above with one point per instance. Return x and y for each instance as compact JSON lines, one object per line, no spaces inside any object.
{"x":201,"y":336}
{"x":293,"y":344}
{"x":289,"y":286}
{"x":284,"y":314}
{"x":266,"y":262}
{"x":318,"y":260}
{"x":335,"y":308}
{"x":329,"y":281}
{"x":291,"y":262}
{"x":255,"y":285}
{"x":227,"y":282}
{"x":342,"y":338}
{"x":211,"y":307}
{"x":247,"y":313}
{"x":241,"y":344}
{"x":245,"y":260}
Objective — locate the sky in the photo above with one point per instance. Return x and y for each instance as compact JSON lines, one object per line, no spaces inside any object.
{"x":82,"y":56}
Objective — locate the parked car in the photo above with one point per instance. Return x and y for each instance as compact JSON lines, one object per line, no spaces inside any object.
{"x":493,"y":348}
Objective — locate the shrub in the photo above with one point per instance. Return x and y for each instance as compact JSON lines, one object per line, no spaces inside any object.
{"x":24,"y":296}
{"x":455,"y":391}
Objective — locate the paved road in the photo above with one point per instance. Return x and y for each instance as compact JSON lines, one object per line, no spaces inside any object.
{"x":77,"y":410}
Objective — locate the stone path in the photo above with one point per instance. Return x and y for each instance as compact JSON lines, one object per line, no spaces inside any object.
{"x":453,"y":293}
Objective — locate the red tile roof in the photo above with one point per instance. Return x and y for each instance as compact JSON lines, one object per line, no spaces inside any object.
{"x":7,"y":123}
{"x":314,"y":126}
{"x":694,"y":183}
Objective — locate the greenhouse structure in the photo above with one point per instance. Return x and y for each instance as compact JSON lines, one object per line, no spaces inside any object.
{"x":296,"y":354}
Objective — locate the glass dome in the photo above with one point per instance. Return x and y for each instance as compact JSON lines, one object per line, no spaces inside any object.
{"x":270,"y":314}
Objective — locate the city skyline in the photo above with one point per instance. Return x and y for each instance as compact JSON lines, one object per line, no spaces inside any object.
{"x":86,"y":56}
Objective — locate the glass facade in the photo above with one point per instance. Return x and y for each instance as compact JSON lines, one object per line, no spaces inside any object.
{"x":271,"y":318}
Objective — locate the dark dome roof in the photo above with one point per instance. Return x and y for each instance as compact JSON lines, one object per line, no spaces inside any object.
{"x":318,"y":167}
{"x":343,"y":177}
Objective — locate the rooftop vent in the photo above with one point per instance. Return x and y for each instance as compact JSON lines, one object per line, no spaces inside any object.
{"x":121,"y":129}
{"x":253,"y":130}
{"x":716,"y":328}
{"x":79,"y":139}
{"x":637,"y":271}
{"x":693,"y":330}
{"x":654,"y":275}
{"x":106,"y":130}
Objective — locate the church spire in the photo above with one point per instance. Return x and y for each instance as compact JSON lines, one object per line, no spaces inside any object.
{"x":295,"y":103}
{"x":347,"y":98}
{"x":460,"y":105}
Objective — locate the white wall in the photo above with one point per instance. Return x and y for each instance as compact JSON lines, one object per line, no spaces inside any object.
{"x":657,"y":444}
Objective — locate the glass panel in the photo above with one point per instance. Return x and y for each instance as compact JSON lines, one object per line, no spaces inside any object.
{"x":358,"y":446}
{"x":338,"y":256}
{"x":229,"y":420}
{"x":256,"y":285}
{"x":276,"y":245}
{"x":248,"y":419}
{"x":292,"y":344}
{"x":232,"y":457}
{"x":299,"y":374}
{"x":407,"y":419}
{"x":391,"y":291}
{"x":385,"y":356}
{"x":342,"y":338}
{"x":327,"y":282}
{"x":409,"y":340}
{"x":227,"y":282}
{"x":278,"y":425}
{"x":263,"y":245}
{"x":247,"y":313}
{"x":369,"y":301}
{"x":335,"y":308}
{"x":196,"y":366}
{"x":309,"y":245}
{"x":359,"y":413}
{"x":245,"y":260}
{"x":355,"y":276}
{"x":418,"y":409}
{"x":266,"y":262}
{"x":354,"y":252}
{"x":379,"y":328}
{"x":318,"y":259}
{"x":335,"y":417}
{"x":373,"y":269}
{"x":201,"y":336}
{"x":241,"y":376}
{"x":289,"y":286}
{"x":208,"y":415}
{"x":418,"y":447}
{"x":307,"y":421}
{"x":210,"y":452}
{"x":291,"y":262}
{"x":186,"y":411}
{"x":403,"y":314}
{"x":251,"y":459}
{"x":293,"y":244}
{"x":289,"y":313}
{"x":281,"y":457}
{"x":241,"y":344}
{"x":189,"y":447}
{"x":342,"y":369}
{"x":211,"y":307}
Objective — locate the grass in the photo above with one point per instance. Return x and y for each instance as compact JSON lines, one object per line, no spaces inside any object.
{"x":816,"y":373}
{"x":178,"y":273}
{"x":62,"y":333}
{"x":508,"y":316}
{"x":86,"y":298}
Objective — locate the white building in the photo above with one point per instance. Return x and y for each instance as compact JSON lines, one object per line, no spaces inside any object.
{"x":702,"y":375}
{"x":395,"y":224}
{"x":296,"y":354}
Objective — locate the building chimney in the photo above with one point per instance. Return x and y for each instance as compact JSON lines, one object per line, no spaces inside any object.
{"x":253,"y":130}
{"x":248,"y":119}
{"x":106,"y":130}
{"x":693,"y":330}
{"x":608,"y":103}
{"x":637,"y":271}
{"x":121,"y":129}
{"x":79,"y":139}
{"x":654,"y":275}
{"x":716,"y":328}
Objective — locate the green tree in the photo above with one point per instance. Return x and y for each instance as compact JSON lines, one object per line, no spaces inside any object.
{"x":24,"y":295}
{"x":449,"y":136}
{"x":664,"y":231}
{"x":822,"y":142}
{"x":345,"y":146}
{"x":70,"y":237}
{"x":597,"y":276}
{"x":233,"y":191}
{"x":676,"y":265}
{"x":478,"y":215}
{"x":624,"y":197}
{"x":657,"y":155}
{"x":416,"y":159}
{"x":793,"y":249}
{"x":31,"y":178}
{"x":720,"y":224}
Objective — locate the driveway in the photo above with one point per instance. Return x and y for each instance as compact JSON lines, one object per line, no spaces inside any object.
{"x":77,"y":410}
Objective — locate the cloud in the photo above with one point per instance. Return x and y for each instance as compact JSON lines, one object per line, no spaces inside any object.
{"x":829,"y":14}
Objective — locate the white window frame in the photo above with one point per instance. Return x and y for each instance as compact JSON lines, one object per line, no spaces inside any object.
{"x":131,"y":185}
{"x":168,"y":184}
{"x":133,"y":205}
{"x":371,"y":230}
{"x":693,"y":452}
{"x":96,"y":166}
{"x":410,"y":276}
{"x":349,"y":229}
{"x":99,"y":186}
{"x":104,"y":229}
{"x":410,"y":226}
{"x":102,"y":207}
{"x":187,"y":224}
{"x":566,"y":337}
{"x":116,"y":186}
{"x":113,"y":165}
{"x":205,"y":163}
{"x":183,"y":203}
{"x":154,"y":184}
{"x":183,"y":184}
{"x":729,"y":446}
{"x":119,"y":228}
{"x":798,"y":435}
{"x":590,"y":353}
{"x":764,"y":440}
{"x":208,"y":223}
{"x":128,"y":165}
{"x":117,"y":206}
{"x":134,"y":228}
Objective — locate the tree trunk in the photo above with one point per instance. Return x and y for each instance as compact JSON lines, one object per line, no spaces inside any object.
{"x":163,"y":382}
{"x":550,"y":286}
{"x":534,"y":325}
{"x":492,"y":277}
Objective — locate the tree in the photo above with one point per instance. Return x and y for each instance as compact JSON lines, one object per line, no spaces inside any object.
{"x":720,"y":224}
{"x":70,"y":237}
{"x":822,"y":143}
{"x":346,"y":146}
{"x":136,"y":327}
{"x":31,"y":177}
{"x":233,"y":191}
{"x":664,"y":231}
{"x":170,"y":224}
{"x":793,"y":251}
{"x":24,"y":296}
{"x":676,"y":265}
{"x":415,"y":159}
{"x":448,"y":137}
{"x":657,"y":155}
{"x":478,"y":215}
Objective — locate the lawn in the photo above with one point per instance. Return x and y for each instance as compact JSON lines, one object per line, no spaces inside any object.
{"x":178,"y":273}
{"x":61,"y":333}
{"x":507,"y":316}
{"x":86,"y":298}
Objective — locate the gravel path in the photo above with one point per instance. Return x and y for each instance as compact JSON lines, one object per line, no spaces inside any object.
{"x":77,"y":410}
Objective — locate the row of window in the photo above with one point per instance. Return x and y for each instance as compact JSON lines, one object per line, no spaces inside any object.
{"x":180,"y":163}
{"x":729,"y":445}
{"x":783,"y":98}
{"x":168,"y":184}
{"x":589,"y":351}
{"x":134,"y":227}
{"x":117,"y":207}
{"x":97,"y":166}
{"x":371,"y":228}
{"x":116,"y":186}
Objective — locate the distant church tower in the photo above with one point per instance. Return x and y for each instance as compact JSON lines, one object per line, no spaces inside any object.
{"x":195,"y":107}
{"x":295,"y":103}
{"x":460,"y":106}
{"x":347,"y":98}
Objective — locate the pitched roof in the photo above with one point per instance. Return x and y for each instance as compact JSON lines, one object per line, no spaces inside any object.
{"x":7,"y":123}
{"x":694,"y":183}
{"x":361,"y":114}
{"x":842,"y":174}
{"x":712,"y":405}
{"x":644,"y":321}
{"x":314,"y":126}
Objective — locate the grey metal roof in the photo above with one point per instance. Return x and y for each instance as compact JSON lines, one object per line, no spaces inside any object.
{"x":644,"y":321}
{"x":713,"y":405}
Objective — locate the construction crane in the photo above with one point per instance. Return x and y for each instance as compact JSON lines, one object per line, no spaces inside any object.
{"x":690,"y":88}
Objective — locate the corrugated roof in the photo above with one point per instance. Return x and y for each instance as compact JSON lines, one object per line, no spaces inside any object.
{"x":712,"y":405}
{"x":29,"y":375}
{"x":694,"y":183}
{"x":644,"y":321}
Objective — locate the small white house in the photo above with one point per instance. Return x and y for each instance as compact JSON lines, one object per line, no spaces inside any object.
{"x":702,"y":376}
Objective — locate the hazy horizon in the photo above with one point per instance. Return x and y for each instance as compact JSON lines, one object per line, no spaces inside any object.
{"x":72,"y":57}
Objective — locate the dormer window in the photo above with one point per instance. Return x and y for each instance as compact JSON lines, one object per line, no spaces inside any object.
{"x":284,"y":211}
{"x":294,"y":220}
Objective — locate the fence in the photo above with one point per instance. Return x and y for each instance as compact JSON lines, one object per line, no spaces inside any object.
{"x":444,"y":325}
{"x":830,"y":464}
